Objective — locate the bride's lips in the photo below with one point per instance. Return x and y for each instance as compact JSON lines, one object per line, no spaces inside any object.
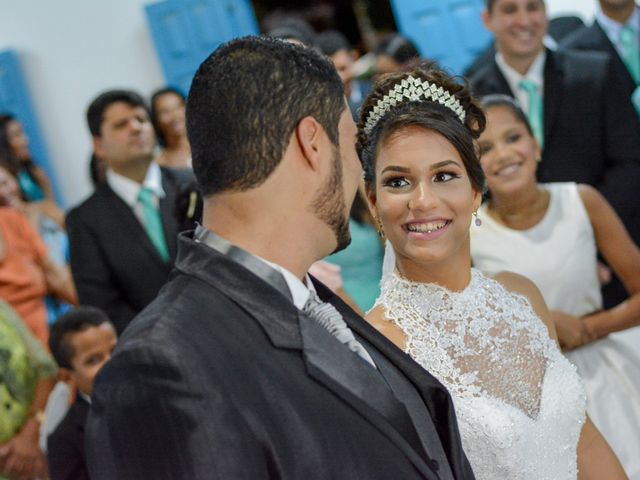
{"x":427,"y":229}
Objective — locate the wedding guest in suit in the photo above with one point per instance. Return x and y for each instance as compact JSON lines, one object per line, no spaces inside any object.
{"x":167,"y":115}
{"x":584,"y":123}
{"x":614,"y":31}
{"x":81,"y":342}
{"x":243,"y":358}
{"x":122,"y":239}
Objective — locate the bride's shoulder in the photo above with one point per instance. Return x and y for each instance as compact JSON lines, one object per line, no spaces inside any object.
{"x":520,"y":285}
{"x":378,"y":320}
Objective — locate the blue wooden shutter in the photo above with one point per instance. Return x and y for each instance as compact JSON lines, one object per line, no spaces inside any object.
{"x":448,"y":31}
{"x":185,"y":32}
{"x":14,"y":99}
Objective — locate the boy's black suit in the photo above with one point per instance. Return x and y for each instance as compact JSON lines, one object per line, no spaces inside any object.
{"x":65,"y":446}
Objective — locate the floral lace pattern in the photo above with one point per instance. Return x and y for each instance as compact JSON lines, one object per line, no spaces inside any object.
{"x":520,"y":404}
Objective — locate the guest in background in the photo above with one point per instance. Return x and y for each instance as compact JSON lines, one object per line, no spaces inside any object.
{"x":393,"y":52}
{"x":336,"y":46}
{"x":27,"y":374}
{"x":81,"y":342}
{"x":586,"y":127}
{"x":167,"y":116}
{"x":16,"y":157}
{"x":122,"y":239}
{"x":615,"y":31}
{"x":27,"y":273}
{"x":53,"y":235}
{"x":551,"y":234}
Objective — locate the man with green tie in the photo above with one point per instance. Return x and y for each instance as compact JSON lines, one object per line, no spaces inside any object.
{"x":122,"y":239}
{"x":615,"y":31}
{"x":586,"y":126}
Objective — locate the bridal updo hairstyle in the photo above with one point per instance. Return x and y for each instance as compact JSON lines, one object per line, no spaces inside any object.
{"x":426,"y":114}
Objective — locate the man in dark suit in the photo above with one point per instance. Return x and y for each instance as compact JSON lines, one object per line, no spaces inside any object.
{"x":123,"y":238}
{"x":607,"y":34}
{"x":587,"y":127}
{"x":237,"y":370}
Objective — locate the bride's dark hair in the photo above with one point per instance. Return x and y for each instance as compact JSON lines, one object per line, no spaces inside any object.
{"x":425,"y":114}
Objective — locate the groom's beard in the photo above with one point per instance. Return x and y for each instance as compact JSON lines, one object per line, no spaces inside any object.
{"x":329,"y":206}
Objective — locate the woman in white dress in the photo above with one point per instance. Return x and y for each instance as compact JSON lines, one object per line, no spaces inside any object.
{"x":520,"y":404}
{"x":551,"y":233}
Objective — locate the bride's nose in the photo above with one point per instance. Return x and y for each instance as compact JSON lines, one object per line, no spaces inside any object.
{"x":422,"y":197}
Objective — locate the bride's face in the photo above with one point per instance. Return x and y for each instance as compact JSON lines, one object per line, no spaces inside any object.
{"x":423,"y":197}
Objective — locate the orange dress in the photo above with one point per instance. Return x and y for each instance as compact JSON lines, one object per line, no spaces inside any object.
{"x":22,"y":280}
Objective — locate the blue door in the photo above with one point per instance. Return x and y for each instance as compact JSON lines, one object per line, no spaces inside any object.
{"x":448,"y":31}
{"x":14,"y":99}
{"x":185,"y":32}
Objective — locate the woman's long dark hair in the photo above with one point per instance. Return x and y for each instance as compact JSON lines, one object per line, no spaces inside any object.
{"x":7,"y":158}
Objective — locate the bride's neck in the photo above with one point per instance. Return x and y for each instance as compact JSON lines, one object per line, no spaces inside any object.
{"x":453,"y":273}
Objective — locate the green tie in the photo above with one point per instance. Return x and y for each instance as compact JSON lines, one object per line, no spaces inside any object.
{"x":630,"y":51}
{"x":631,"y":58}
{"x":153,"y":222}
{"x":536,"y":116}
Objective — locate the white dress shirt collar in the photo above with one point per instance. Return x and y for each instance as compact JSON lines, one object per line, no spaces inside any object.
{"x":513,"y":77}
{"x":299,"y":289}
{"x":128,"y":189}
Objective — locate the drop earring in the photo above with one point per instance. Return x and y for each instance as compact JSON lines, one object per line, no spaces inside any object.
{"x":379,"y":225}
{"x":477,"y":220}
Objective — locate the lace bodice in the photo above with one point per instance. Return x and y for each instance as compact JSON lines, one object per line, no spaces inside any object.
{"x":520,"y":404}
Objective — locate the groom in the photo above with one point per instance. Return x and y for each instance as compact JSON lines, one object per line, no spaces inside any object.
{"x":232,"y":372}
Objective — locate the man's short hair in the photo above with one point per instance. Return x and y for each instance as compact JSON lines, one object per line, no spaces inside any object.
{"x":490,"y":4}
{"x":75,"y":320}
{"x":96,"y":109}
{"x":332,"y":41}
{"x":245,"y":101}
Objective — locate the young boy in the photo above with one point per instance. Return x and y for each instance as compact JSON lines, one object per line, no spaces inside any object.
{"x":81,"y":341}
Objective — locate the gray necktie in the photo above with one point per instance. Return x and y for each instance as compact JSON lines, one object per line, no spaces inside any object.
{"x":327,"y":316}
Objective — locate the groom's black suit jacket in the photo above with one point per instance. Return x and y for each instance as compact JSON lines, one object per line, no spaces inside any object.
{"x":223,"y":377}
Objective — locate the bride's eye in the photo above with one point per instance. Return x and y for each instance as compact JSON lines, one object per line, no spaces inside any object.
{"x":395,"y":182}
{"x":444,"y":176}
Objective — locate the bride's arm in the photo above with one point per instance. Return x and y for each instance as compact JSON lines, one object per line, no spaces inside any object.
{"x":596,"y":460}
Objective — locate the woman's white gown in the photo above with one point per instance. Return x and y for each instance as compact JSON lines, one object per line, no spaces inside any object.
{"x":520,"y":404}
{"x":559,"y":256}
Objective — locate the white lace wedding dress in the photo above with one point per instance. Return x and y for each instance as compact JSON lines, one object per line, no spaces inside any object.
{"x":520,"y":404}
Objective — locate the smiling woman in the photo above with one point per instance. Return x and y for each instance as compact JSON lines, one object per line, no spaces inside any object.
{"x":519,"y":402}
{"x":551,"y":233}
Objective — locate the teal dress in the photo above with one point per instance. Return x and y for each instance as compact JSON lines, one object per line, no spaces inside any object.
{"x":361,"y":264}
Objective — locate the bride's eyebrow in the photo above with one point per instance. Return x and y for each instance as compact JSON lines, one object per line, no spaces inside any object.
{"x":396,"y":168}
{"x":444,"y":163}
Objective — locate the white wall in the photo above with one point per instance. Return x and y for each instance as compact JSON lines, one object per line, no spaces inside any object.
{"x":72,"y":49}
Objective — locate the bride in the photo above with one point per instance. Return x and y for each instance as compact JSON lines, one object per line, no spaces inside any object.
{"x":520,"y":404}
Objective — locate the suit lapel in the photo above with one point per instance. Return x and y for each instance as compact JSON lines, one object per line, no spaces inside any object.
{"x":167,"y":213}
{"x":433,"y":393}
{"x":600,"y":39}
{"x":124,"y":224}
{"x":496,"y":83}
{"x":553,"y":87}
{"x":326,"y":360}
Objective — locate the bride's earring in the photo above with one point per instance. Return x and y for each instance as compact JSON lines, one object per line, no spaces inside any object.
{"x":477,"y":220}
{"x":379,"y":226}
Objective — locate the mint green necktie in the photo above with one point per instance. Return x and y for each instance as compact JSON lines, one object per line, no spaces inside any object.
{"x":630,"y":51}
{"x":153,"y":222}
{"x":631,"y":59}
{"x":536,"y":108}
